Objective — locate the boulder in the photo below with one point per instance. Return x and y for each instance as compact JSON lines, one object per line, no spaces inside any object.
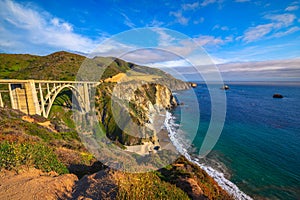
{"x":225,"y":87}
{"x":193,"y":85}
{"x":278,"y":96}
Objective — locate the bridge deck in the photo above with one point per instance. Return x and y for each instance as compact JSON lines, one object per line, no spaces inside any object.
{"x":45,"y":81}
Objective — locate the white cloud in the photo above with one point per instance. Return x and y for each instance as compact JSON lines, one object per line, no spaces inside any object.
{"x":241,"y":1}
{"x":168,"y":48}
{"x":282,"y":19}
{"x":284,"y":69}
{"x":257,"y":52}
{"x":146,"y":56}
{"x":164,"y":38}
{"x":217,"y":60}
{"x":127,"y":21}
{"x":190,"y":6}
{"x":223,"y":28}
{"x":207,"y":2}
{"x":155,"y":23}
{"x":273,"y":70}
{"x":292,"y":8}
{"x":278,"y":22}
{"x":180,"y":18}
{"x":287,"y":32}
{"x":25,"y":29}
{"x":111,"y":47}
{"x":257,"y":32}
{"x":62,"y":25}
{"x":208,"y":40}
{"x":199,"y":21}
{"x":171,"y":63}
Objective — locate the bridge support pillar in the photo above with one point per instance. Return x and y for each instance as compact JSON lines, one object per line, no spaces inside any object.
{"x":32,"y":98}
{"x":1,"y":101}
{"x":86,"y":97}
{"x":24,"y":97}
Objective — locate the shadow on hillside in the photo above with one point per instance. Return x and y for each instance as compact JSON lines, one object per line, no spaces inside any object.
{"x":80,"y":169}
{"x":96,"y":186}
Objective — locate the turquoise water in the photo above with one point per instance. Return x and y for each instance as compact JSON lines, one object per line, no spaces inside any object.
{"x":259,"y":148}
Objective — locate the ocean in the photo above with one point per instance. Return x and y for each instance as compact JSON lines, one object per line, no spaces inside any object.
{"x":258,"y":153}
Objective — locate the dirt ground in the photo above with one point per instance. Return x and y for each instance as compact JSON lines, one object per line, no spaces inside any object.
{"x":35,"y":184}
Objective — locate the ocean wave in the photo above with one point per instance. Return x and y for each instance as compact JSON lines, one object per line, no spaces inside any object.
{"x":181,"y":147}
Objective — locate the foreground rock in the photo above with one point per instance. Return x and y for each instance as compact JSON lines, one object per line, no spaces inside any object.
{"x":34,"y":184}
{"x":101,"y":185}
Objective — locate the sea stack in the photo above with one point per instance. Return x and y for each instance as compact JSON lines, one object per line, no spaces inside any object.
{"x":277,"y":96}
{"x":193,"y":85}
{"x":225,"y":87}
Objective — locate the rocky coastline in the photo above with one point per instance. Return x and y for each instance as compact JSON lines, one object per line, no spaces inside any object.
{"x":59,"y":142}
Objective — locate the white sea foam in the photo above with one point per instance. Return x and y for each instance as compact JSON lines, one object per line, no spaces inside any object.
{"x":219,"y":177}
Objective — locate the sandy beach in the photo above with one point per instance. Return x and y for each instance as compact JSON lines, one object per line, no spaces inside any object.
{"x":163,"y":141}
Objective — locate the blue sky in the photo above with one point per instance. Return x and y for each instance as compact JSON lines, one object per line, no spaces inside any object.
{"x":231,"y":31}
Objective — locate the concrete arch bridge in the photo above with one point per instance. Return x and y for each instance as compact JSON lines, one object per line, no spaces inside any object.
{"x":37,"y":96}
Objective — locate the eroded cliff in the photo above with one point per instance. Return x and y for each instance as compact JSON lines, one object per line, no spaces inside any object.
{"x":128,"y":110}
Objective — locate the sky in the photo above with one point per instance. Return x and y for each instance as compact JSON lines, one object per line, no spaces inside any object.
{"x":247,"y":39}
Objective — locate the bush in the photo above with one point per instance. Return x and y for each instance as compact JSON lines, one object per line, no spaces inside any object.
{"x":147,"y":186}
{"x":14,"y":155}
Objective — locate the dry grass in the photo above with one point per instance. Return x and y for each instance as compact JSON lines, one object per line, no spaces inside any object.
{"x":132,"y":75}
{"x":146,"y":186}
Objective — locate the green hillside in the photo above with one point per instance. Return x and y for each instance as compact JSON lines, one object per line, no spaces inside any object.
{"x":66,"y":66}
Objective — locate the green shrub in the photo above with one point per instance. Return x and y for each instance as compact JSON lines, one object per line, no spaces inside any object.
{"x":147,"y":186}
{"x":14,"y":155}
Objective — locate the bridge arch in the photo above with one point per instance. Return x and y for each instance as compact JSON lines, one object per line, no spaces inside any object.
{"x":36,"y":97}
{"x":54,"y":94}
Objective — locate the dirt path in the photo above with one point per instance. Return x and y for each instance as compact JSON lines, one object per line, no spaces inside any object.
{"x":34,"y":184}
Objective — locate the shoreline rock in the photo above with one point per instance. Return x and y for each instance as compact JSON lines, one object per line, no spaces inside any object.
{"x":193,"y":85}
{"x":225,"y":87}
{"x":277,"y":96}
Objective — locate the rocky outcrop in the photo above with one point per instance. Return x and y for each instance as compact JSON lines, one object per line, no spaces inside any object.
{"x":193,"y":85}
{"x":145,"y":95}
{"x":174,"y":84}
{"x":277,"y":96}
{"x":127,"y":110}
{"x":225,"y":87}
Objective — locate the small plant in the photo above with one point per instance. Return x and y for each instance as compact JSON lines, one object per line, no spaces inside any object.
{"x":14,"y":155}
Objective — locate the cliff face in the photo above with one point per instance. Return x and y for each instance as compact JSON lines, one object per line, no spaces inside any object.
{"x":149,"y":97}
{"x":127,"y":111}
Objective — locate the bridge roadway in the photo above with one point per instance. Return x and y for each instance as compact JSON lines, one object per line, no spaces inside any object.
{"x":37,"y":96}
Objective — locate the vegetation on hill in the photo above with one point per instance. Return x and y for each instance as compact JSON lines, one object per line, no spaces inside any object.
{"x":28,"y":142}
{"x":56,"y":66}
{"x":66,"y":66}
{"x":14,"y":155}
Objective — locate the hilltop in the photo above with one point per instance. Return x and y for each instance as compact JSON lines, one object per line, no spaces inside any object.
{"x":65,"y":66}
